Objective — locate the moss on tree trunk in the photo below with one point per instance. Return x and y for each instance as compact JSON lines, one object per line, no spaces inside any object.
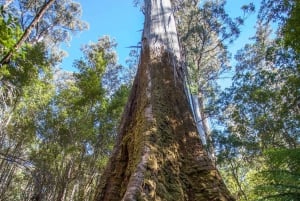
{"x":159,"y":155}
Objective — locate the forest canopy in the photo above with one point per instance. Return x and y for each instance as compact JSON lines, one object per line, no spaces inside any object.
{"x":58,"y":128}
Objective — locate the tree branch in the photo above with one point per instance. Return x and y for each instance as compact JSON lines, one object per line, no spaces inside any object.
{"x":6,"y":59}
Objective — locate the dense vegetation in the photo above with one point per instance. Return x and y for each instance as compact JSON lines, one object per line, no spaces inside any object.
{"x":258,"y":148}
{"x":57,"y":128}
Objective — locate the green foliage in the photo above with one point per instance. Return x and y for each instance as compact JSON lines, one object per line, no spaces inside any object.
{"x":56,"y":26}
{"x":262,"y":100}
{"x":57,"y":130}
{"x":204,"y":30}
{"x":291,"y":30}
{"x":76,"y":130}
{"x":259,"y":144}
{"x":47,"y":139}
{"x":27,"y":65}
{"x":28,"y":62}
{"x":89,"y":80}
{"x":10,"y":32}
{"x":279,"y":180}
{"x":118,"y":100}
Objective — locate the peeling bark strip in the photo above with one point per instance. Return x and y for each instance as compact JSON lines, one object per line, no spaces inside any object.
{"x":158,"y":155}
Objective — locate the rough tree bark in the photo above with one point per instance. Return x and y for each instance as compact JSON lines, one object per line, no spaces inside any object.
{"x":158,"y":153}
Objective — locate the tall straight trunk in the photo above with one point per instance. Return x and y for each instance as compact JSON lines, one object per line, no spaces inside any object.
{"x":158,"y":153}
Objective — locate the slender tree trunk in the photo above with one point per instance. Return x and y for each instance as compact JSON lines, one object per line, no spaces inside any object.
{"x":28,"y":30}
{"x":234,"y":172}
{"x":198,"y":119}
{"x":206,"y":127}
{"x":158,"y":155}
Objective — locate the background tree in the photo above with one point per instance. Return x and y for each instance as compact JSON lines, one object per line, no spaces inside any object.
{"x":58,"y":128}
{"x":67,"y":132}
{"x":28,"y":28}
{"x":27,"y":31}
{"x":50,"y":22}
{"x":260,"y":110}
{"x":49,"y":139}
{"x":204,"y":29}
{"x":28,"y":71}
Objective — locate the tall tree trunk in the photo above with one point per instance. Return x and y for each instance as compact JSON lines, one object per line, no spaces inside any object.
{"x":158,"y":153}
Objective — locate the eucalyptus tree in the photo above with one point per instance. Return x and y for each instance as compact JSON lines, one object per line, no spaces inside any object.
{"x":19,"y":135}
{"x":27,"y":32}
{"x":158,"y":154}
{"x":50,"y":22}
{"x":77,"y":128}
{"x":261,"y":112}
{"x":28,"y":73}
{"x":25,"y":69}
{"x":9,"y":31}
{"x":204,"y":30}
{"x":28,"y":29}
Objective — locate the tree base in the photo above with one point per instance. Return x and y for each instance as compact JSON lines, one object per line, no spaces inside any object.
{"x":159,"y":155}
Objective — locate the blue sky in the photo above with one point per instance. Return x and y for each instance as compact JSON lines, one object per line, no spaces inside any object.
{"x":117,"y":18}
{"x":122,"y":21}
